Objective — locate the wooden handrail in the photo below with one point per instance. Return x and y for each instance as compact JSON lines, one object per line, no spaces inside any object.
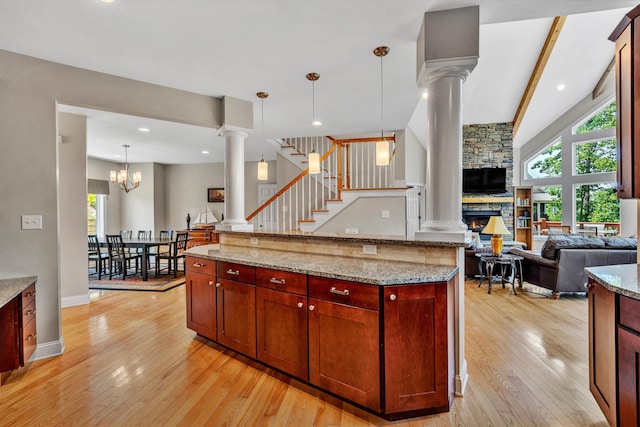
{"x":290,"y":184}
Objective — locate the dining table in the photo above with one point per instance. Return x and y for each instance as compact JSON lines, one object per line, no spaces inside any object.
{"x":145,"y":245}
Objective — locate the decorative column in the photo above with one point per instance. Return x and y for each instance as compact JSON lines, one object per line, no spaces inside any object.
{"x":234,"y":215}
{"x":448,"y":47}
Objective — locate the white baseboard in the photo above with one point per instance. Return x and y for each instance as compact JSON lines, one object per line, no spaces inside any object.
{"x":48,"y":349}
{"x":74,"y":300}
{"x":461,"y":379}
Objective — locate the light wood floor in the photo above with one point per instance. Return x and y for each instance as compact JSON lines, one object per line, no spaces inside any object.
{"x":131,"y":361}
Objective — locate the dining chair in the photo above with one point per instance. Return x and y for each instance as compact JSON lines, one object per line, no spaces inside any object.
{"x":96,"y":255}
{"x":118,"y":257}
{"x":144,"y":234}
{"x":126,"y":234}
{"x":166,"y":234}
{"x":175,"y":252}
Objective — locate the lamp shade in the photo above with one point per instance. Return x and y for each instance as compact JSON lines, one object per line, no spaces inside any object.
{"x":314,"y":162}
{"x":496,"y":226}
{"x":263,"y":170}
{"x":382,"y":153}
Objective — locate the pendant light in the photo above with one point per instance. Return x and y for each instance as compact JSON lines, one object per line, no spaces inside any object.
{"x":382,"y":146}
{"x":263,"y":167}
{"x":122,"y":178}
{"x":313,"y":77}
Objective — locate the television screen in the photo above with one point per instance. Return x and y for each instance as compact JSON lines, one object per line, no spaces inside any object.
{"x":485,"y":180}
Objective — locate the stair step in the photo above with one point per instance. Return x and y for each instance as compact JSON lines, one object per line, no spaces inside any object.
{"x":306,"y":220}
{"x":297,"y":154}
{"x":330,"y":177}
{"x":319,"y":210}
{"x":332,"y":200}
{"x":287,"y":146}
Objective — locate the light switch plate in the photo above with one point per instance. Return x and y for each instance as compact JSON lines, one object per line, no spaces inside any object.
{"x":351,"y":230}
{"x":31,"y":222}
{"x":385,"y":214}
{"x":254,"y":240}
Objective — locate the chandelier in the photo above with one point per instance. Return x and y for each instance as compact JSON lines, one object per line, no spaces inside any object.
{"x":122,"y":177}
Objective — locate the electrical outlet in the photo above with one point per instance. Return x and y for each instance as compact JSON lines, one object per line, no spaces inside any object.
{"x":31,"y":222}
{"x":385,"y":214}
{"x":254,"y":240}
{"x":369,"y":249}
{"x":351,"y":230}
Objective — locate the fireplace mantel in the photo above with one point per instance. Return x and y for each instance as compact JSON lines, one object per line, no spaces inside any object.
{"x":487,"y":199}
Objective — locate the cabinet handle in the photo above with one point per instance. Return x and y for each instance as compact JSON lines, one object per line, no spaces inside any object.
{"x":30,"y":294}
{"x":277,"y":281}
{"x":336,"y":291}
{"x":300,"y":305}
{"x":233,"y":272}
{"x":32,"y":337}
{"x":211,"y":282}
{"x":588,"y":285}
{"x":312,"y":307}
{"x":218,"y":285}
{"x":30,"y":312}
{"x":392,"y":297}
{"x":197,"y":264}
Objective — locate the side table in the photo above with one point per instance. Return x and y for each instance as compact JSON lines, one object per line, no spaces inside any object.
{"x":503,"y":260}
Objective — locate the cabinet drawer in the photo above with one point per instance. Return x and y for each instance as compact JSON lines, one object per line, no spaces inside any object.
{"x":29,"y":340}
{"x":29,"y":295}
{"x":237,"y":272}
{"x":28,"y":313}
{"x":341,"y":291}
{"x":630,"y":313}
{"x":282,"y":280}
{"x":200,"y":265}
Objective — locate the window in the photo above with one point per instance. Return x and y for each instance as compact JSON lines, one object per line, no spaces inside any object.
{"x":547,"y":163}
{"x":597,"y":203}
{"x":548,"y":203}
{"x":605,"y":118}
{"x":96,"y":205}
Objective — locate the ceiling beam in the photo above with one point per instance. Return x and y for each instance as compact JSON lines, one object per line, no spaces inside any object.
{"x":545,"y":53}
{"x":597,"y":91}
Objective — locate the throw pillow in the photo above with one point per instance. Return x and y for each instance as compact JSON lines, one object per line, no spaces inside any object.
{"x":554,"y":243}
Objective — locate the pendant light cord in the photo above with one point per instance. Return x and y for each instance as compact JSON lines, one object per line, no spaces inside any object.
{"x":381,"y":101}
{"x":313,"y":101}
{"x":262,"y":129}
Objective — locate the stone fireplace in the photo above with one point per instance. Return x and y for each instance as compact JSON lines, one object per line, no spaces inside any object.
{"x":477,"y":219}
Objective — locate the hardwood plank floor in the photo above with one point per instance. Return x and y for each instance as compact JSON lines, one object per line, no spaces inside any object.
{"x":131,"y":361}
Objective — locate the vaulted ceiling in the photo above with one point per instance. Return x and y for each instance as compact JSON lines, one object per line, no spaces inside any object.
{"x":240,"y":47}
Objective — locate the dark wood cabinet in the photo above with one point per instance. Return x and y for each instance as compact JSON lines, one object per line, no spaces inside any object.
{"x":415,"y":352}
{"x":201,"y":296}
{"x":344,"y":340}
{"x":628,"y":357}
{"x":281,"y":319}
{"x":627,"y":39}
{"x":602,"y":350}
{"x":237,"y":316}
{"x":18,"y":338}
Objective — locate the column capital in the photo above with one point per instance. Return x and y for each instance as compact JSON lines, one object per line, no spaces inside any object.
{"x":233,"y":130}
{"x":438,"y":69}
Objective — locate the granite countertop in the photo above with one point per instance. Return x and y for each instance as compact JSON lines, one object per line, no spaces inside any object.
{"x":360,"y":238}
{"x":11,"y":285}
{"x":622,"y":278}
{"x":375,"y":272}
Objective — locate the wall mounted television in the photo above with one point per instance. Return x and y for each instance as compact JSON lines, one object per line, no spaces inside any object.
{"x":484,"y":180}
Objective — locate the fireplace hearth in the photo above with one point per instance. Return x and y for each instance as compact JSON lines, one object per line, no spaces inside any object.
{"x":476,"y":220}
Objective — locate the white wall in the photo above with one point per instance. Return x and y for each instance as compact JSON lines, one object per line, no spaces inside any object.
{"x":30,"y":89}
{"x":365,"y":215}
{"x":415,"y":159}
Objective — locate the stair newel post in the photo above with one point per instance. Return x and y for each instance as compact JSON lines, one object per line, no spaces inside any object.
{"x":339,"y":161}
{"x":348,"y":163}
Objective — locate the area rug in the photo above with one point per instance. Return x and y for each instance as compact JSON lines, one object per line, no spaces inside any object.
{"x":135,"y":283}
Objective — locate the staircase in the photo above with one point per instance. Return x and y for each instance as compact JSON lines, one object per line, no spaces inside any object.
{"x":347,"y":172}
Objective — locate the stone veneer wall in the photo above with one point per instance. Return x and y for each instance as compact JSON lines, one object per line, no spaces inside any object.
{"x":490,"y":146}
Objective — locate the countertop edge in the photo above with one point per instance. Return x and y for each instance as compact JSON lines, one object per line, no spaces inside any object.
{"x":11,"y":287}
{"x":622,"y":273}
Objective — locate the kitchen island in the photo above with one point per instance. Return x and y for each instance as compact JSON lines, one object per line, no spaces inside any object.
{"x":614,"y":341}
{"x":349,"y":316}
{"x":17,"y":321}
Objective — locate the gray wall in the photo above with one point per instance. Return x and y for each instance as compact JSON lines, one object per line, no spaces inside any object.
{"x":30,"y":91}
{"x":365,"y":214}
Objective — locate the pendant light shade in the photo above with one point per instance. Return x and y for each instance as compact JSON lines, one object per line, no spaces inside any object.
{"x":314,"y":162}
{"x":382,"y":146}
{"x":313,"y":77}
{"x":263,"y":167}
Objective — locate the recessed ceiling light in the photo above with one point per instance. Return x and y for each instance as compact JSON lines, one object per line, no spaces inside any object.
{"x":561,"y":87}
{"x":106,"y":1}
{"x":117,"y":155}
{"x":204,"y":152}
{"x":425,"y":94}
{"x":316,"y":123}
{"x":143,"y":129}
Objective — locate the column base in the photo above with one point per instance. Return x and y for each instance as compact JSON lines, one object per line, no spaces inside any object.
{"x":235,"y":227}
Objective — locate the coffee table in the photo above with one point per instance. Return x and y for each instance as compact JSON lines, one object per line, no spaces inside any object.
{"x":504,"y":261}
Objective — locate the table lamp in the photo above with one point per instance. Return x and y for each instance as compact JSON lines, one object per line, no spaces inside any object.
{"x":496,"y":227}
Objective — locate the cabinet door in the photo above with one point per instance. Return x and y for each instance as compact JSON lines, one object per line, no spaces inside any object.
{"x":416,"y":348}
{"x":201,"y":304}
{"x":628,"y":381}
{"x":625,"y":118}
{"x":602,"y":356}
{"x":282,"y":331}
{"x":9,"y":336}
{"x":344,"y":352}
{"x":237,"y":316}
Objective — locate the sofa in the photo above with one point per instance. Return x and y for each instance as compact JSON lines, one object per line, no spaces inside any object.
{"x":560,"y":264}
